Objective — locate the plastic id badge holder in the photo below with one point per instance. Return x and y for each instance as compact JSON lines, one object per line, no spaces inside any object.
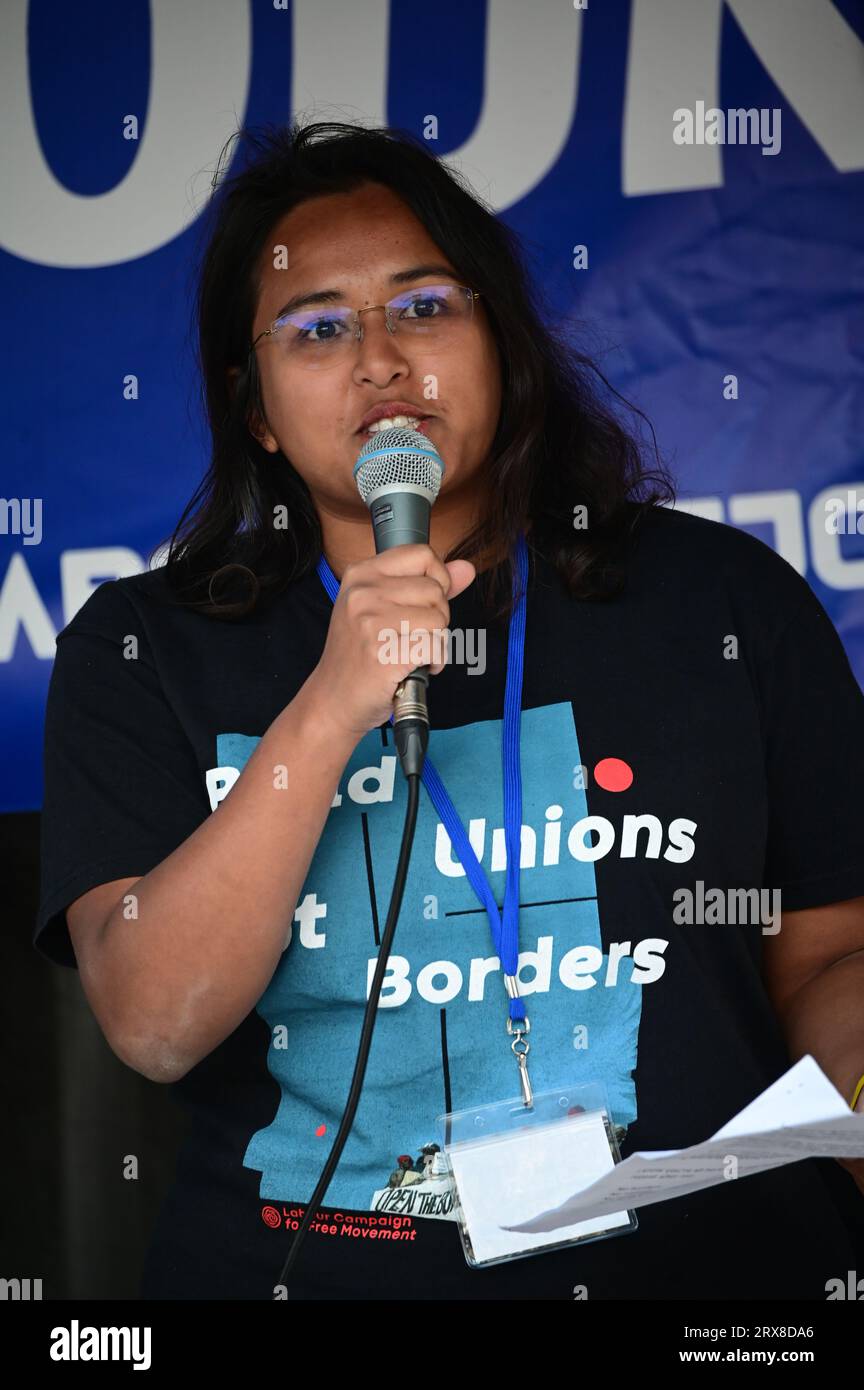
{"x":511,"y":1163}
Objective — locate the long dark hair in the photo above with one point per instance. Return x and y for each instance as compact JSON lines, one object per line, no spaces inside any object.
{"x":558,"y":445}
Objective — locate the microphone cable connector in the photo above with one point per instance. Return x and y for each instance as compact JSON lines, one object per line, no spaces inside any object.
{"x":411,"y":721}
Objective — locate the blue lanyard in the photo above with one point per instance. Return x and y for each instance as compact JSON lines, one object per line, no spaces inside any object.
{"x":504,"y":934}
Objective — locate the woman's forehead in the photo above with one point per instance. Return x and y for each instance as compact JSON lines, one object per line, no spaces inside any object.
{"x":352,"y":236}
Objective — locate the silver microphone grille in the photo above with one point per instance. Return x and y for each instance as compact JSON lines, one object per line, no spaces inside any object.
{"x":398,"y":455}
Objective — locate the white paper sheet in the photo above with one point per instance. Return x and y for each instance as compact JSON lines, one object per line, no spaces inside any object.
{"x":802,"y":1115}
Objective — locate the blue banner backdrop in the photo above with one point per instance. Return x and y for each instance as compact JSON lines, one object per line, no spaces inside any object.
{"x":687,"y":175}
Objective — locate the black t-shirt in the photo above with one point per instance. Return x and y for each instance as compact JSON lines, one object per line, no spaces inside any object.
{"x":701,"y":728}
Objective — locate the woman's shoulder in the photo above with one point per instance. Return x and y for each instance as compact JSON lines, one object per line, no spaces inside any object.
{"x":162,"y":601}
{"x":113,"y":601}
{"x":685,"y":546}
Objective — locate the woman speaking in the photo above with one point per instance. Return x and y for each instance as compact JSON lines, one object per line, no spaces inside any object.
{"x":224,"y":803}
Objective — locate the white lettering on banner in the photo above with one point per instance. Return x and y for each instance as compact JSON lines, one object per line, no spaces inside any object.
{"x":578,"y":969}
{"x":784,"y":512}
{"x":22,"y":609}
{"x":200,"y":68}
{"x":811,"y":52}
{"x":81,"y":571}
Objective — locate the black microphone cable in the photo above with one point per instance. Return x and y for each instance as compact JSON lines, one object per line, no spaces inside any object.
{"x":413,"y":780}
{"x":398,"y":475}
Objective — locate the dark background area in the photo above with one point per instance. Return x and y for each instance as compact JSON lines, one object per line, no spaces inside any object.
{"x":69,"y":1216}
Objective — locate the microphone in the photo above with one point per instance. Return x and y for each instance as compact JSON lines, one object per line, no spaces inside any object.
{"x":398,"y":475}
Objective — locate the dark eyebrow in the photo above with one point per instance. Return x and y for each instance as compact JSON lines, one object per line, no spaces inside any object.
{"x":401,"y":277}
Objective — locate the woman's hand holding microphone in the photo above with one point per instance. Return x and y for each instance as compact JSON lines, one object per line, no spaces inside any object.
{"x":356,"y":678}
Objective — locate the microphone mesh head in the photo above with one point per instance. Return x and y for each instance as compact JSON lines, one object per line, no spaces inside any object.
{"x":398,"y":455}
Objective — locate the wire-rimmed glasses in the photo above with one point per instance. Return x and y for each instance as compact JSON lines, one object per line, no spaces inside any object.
{"x":322,"y":335}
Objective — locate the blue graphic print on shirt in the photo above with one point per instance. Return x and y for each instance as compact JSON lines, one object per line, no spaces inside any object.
{"x":440,"y":1040}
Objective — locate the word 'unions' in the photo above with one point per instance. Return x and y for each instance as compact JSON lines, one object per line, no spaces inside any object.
{"x":588,"y":839}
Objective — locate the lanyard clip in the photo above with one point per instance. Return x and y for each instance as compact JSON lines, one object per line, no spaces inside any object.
{"x":520,"y":1027}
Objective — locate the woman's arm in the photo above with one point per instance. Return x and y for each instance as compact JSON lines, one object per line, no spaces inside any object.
{"x":168,"y":985}
{"x":210,"y":921}
{"x":814,"y":974}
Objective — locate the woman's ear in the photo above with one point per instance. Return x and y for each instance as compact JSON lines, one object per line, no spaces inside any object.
{"x":257,"y":427}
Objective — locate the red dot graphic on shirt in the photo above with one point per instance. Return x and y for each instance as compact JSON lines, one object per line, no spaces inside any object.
{"x":322,"y":1129}
{"x":613,"y":774}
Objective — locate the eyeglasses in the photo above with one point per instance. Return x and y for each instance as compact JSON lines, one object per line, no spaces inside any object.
{"x":434,"y":315}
